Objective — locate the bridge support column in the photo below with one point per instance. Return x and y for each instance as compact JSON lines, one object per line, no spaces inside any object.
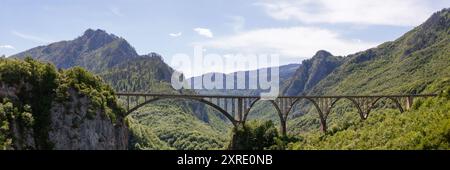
{"x":409,"y":102}
{"x":128,"y":103}
{"x":240,"y":109}
{"x":283,"y":128}
{"x":323,"y":125}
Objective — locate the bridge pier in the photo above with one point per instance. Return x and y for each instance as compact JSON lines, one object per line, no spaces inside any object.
{"x":240,"y":109}
{"x":283,"y":107}
{"x":283,"y":129}
{"x":323,"y":126}
{"x":409,"y":102}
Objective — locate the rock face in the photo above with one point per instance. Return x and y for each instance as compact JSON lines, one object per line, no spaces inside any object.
{"x":74,"y":128}
{"x":310,"y":72}
{"x":42,"y":108}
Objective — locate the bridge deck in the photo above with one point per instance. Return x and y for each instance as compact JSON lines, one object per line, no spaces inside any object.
{"x":242,"y":96}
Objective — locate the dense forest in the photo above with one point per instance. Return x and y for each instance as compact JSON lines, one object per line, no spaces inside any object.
{"x":426,"y":126}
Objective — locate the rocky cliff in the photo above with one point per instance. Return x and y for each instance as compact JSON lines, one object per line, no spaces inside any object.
{"x":73,"y":126}
{"x":310,"y":72}
{"x":41,"y":108}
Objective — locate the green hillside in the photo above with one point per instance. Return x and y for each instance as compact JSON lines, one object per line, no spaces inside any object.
{"x":176,"y":129}
{"x":427,"y":126}
{"x":407,"y":65}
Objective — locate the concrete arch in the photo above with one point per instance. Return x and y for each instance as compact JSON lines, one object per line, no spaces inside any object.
{"x":361,"y":113}
{"x":284,"y":116}
{"x":396,"y":102}
{"x":308,"y":99}
{"x":323,"y":114}
{"x":222,"y":111}
{"x":250,"y":108}
{"x":354,"y":103}
{"x":281,"y":117}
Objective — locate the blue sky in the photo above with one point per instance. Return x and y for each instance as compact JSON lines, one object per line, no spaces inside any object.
{"x":293,"y":29}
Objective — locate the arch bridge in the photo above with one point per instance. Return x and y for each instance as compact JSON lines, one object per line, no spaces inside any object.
{"x":237,"y":108}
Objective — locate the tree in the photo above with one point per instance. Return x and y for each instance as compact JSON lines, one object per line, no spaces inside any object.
{"x":254,"y":135}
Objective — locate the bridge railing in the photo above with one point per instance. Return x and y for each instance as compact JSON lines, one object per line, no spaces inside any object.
{"x":302,"y":96}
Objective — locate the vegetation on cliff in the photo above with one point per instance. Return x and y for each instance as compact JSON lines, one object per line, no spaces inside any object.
{"x":30,"y":88}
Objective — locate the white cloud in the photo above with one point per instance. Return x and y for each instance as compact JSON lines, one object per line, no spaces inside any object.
{"x":8,"y":47}
{"x":116,"y":11}
{"x":288,"y":42}
{"x":175,"y":34}
{"x":370,"y":12}
{"x":237,"y":23}
{"x":204,"y":32}
{"x":31,"y":37}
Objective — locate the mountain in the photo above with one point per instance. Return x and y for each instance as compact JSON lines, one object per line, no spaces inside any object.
{"x":95,"y":50}
{"x":285,"y":73}
{"x":142,"y":74}
{"x":417,"y":62}
{"x":310,"y":72}
{"x":109,"y":56}
{"x":408,"y":65}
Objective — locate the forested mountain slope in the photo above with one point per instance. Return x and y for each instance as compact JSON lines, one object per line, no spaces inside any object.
{"x":407,"y":65}
{"x":426,"y":126}
{"x":95,"y":50}
{"x":418,"y":62}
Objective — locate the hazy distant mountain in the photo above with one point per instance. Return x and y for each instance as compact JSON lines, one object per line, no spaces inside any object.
{"x":285,"y":73}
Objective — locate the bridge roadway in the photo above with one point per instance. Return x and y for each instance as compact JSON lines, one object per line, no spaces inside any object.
{"x":236,"y":108}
